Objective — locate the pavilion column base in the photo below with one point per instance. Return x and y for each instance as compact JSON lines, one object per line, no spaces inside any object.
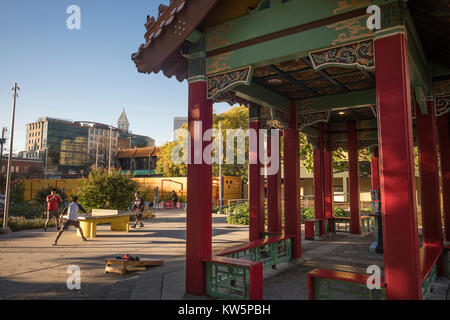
{"x":297,"y":261}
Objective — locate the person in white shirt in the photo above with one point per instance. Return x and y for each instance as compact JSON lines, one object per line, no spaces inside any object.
{"x":72,"y":218}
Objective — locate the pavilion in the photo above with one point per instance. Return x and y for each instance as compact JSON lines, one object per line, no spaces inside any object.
{"x":316,"y":67}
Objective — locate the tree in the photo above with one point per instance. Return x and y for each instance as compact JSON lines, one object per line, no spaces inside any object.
{"x":165,"y":164}
{"x":107,"y":190}
{"x":235,"y":118}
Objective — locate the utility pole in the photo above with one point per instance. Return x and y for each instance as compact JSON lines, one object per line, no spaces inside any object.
{"x":45,"y":168}
{"x":8,"y":170}
{"x":96,"y":155}
{"x":2,"y":141}
{"x":110,"y":147}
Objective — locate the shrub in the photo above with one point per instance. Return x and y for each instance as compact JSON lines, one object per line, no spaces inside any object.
{"x":21,"y":223}
{"x":340,"y":213}
{"x":28,"y":210}
{"x":239,"y":218}
{"x":307,"y":213}
{"x":107,"y":190}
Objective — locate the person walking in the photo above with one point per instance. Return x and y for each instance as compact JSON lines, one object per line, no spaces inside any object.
{"x":155,"y":197}
{"x":174,"y":199}
{"x":53,"y":201}
{"x":138,"y":206}
{"x":72,"y":218}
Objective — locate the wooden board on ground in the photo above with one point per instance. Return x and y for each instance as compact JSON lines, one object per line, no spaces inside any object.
{"x":121,"y":266}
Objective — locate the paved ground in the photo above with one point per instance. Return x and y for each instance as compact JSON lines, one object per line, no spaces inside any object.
{"x":32,"y":269}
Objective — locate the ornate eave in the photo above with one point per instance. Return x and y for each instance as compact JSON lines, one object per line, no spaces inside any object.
{"x":166,"y":34}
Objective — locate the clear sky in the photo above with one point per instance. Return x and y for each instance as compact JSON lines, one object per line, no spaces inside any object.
{"x":83,"y":74}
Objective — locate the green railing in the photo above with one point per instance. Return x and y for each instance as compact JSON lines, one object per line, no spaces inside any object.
{"x":329,"y":289}
{"x":233,"y":281}
{"x":269,"y":254}
{"x":427,"y":284}
{"x":367,"y":224}
{"x":341,"y":225}
{"x":230,"y":282}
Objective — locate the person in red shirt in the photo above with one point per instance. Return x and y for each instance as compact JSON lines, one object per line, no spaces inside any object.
{"x":53,"y":201}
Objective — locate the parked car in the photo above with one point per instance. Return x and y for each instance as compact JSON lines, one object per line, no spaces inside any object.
{"x":2,"y":202}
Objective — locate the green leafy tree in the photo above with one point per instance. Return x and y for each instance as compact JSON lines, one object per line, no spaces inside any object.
{"x":107,"y":190}
{"x":166,"y":166}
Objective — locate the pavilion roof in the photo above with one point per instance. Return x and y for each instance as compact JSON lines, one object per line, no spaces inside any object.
{"x":166,"y":34}
{"x":137,"y":152}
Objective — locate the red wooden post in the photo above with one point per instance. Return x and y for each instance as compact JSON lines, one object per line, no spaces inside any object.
{"x":256,"y":180}
{"x":319,"y":181}
{"x":311,"y":288}
{"x":429,"y":176}
{"x":256,"y":282}
{"x":444,"y":148}
{"x":292,"y":220}
{"x":374,"y":168}
{"x":199,"y":177}
{"x":397,"y":181}
{"x":328,"y":186}
{"x":273,"y":196}
{"x":353,"y":178}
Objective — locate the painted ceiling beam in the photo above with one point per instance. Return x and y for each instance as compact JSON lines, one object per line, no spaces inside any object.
{"x":337,"y":101}
{"x":258,"y":94}
{"x":296,"y":45}
{"x":281,"y":16}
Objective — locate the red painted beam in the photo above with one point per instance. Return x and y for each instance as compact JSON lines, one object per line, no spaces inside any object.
{"x":199,"y":177}
{"x":256,"y":187}
{"x":256,"y":282}
{"x":353,"y":178}
{"x":429,"y":175}
{"x":274,"y":196}
{"x":397,"y":180}
{"x":292,"y":184}
{"x":444,"y":149}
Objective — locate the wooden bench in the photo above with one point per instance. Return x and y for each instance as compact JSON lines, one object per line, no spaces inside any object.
{"x":236,"y":272}
{"x":122,"y":266}
{"x":358,"y":279}
{"x":234,"y":278}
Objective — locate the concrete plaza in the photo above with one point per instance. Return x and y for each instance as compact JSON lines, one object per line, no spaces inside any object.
{"x":33,"y":269}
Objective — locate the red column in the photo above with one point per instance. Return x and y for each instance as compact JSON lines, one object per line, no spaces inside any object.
{"x":429,"y":176}
{"x":374,"y":169}
{"x":256,"y":186}
{"x":199,"y":177}
{"x":273,"y":196}
{"x":319,"y":180}
{"x":292,"y":220}
{"x":397,"y":181}
{"x":328,"y":182}
{"x":353,"y":178}
{"x":444,"y":148}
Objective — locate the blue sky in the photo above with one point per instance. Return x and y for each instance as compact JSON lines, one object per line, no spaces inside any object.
{"x":83,"y":74}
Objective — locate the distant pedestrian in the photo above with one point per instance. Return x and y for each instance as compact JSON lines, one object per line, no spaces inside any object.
{"x":53,"y":201}
{"x":155,"y":197}
{"x":174,"y":198}
{"x":72,"y":218}
{"x":138,"y":206}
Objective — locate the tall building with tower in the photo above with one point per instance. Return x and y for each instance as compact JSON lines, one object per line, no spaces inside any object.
{"x":123,"y":124}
